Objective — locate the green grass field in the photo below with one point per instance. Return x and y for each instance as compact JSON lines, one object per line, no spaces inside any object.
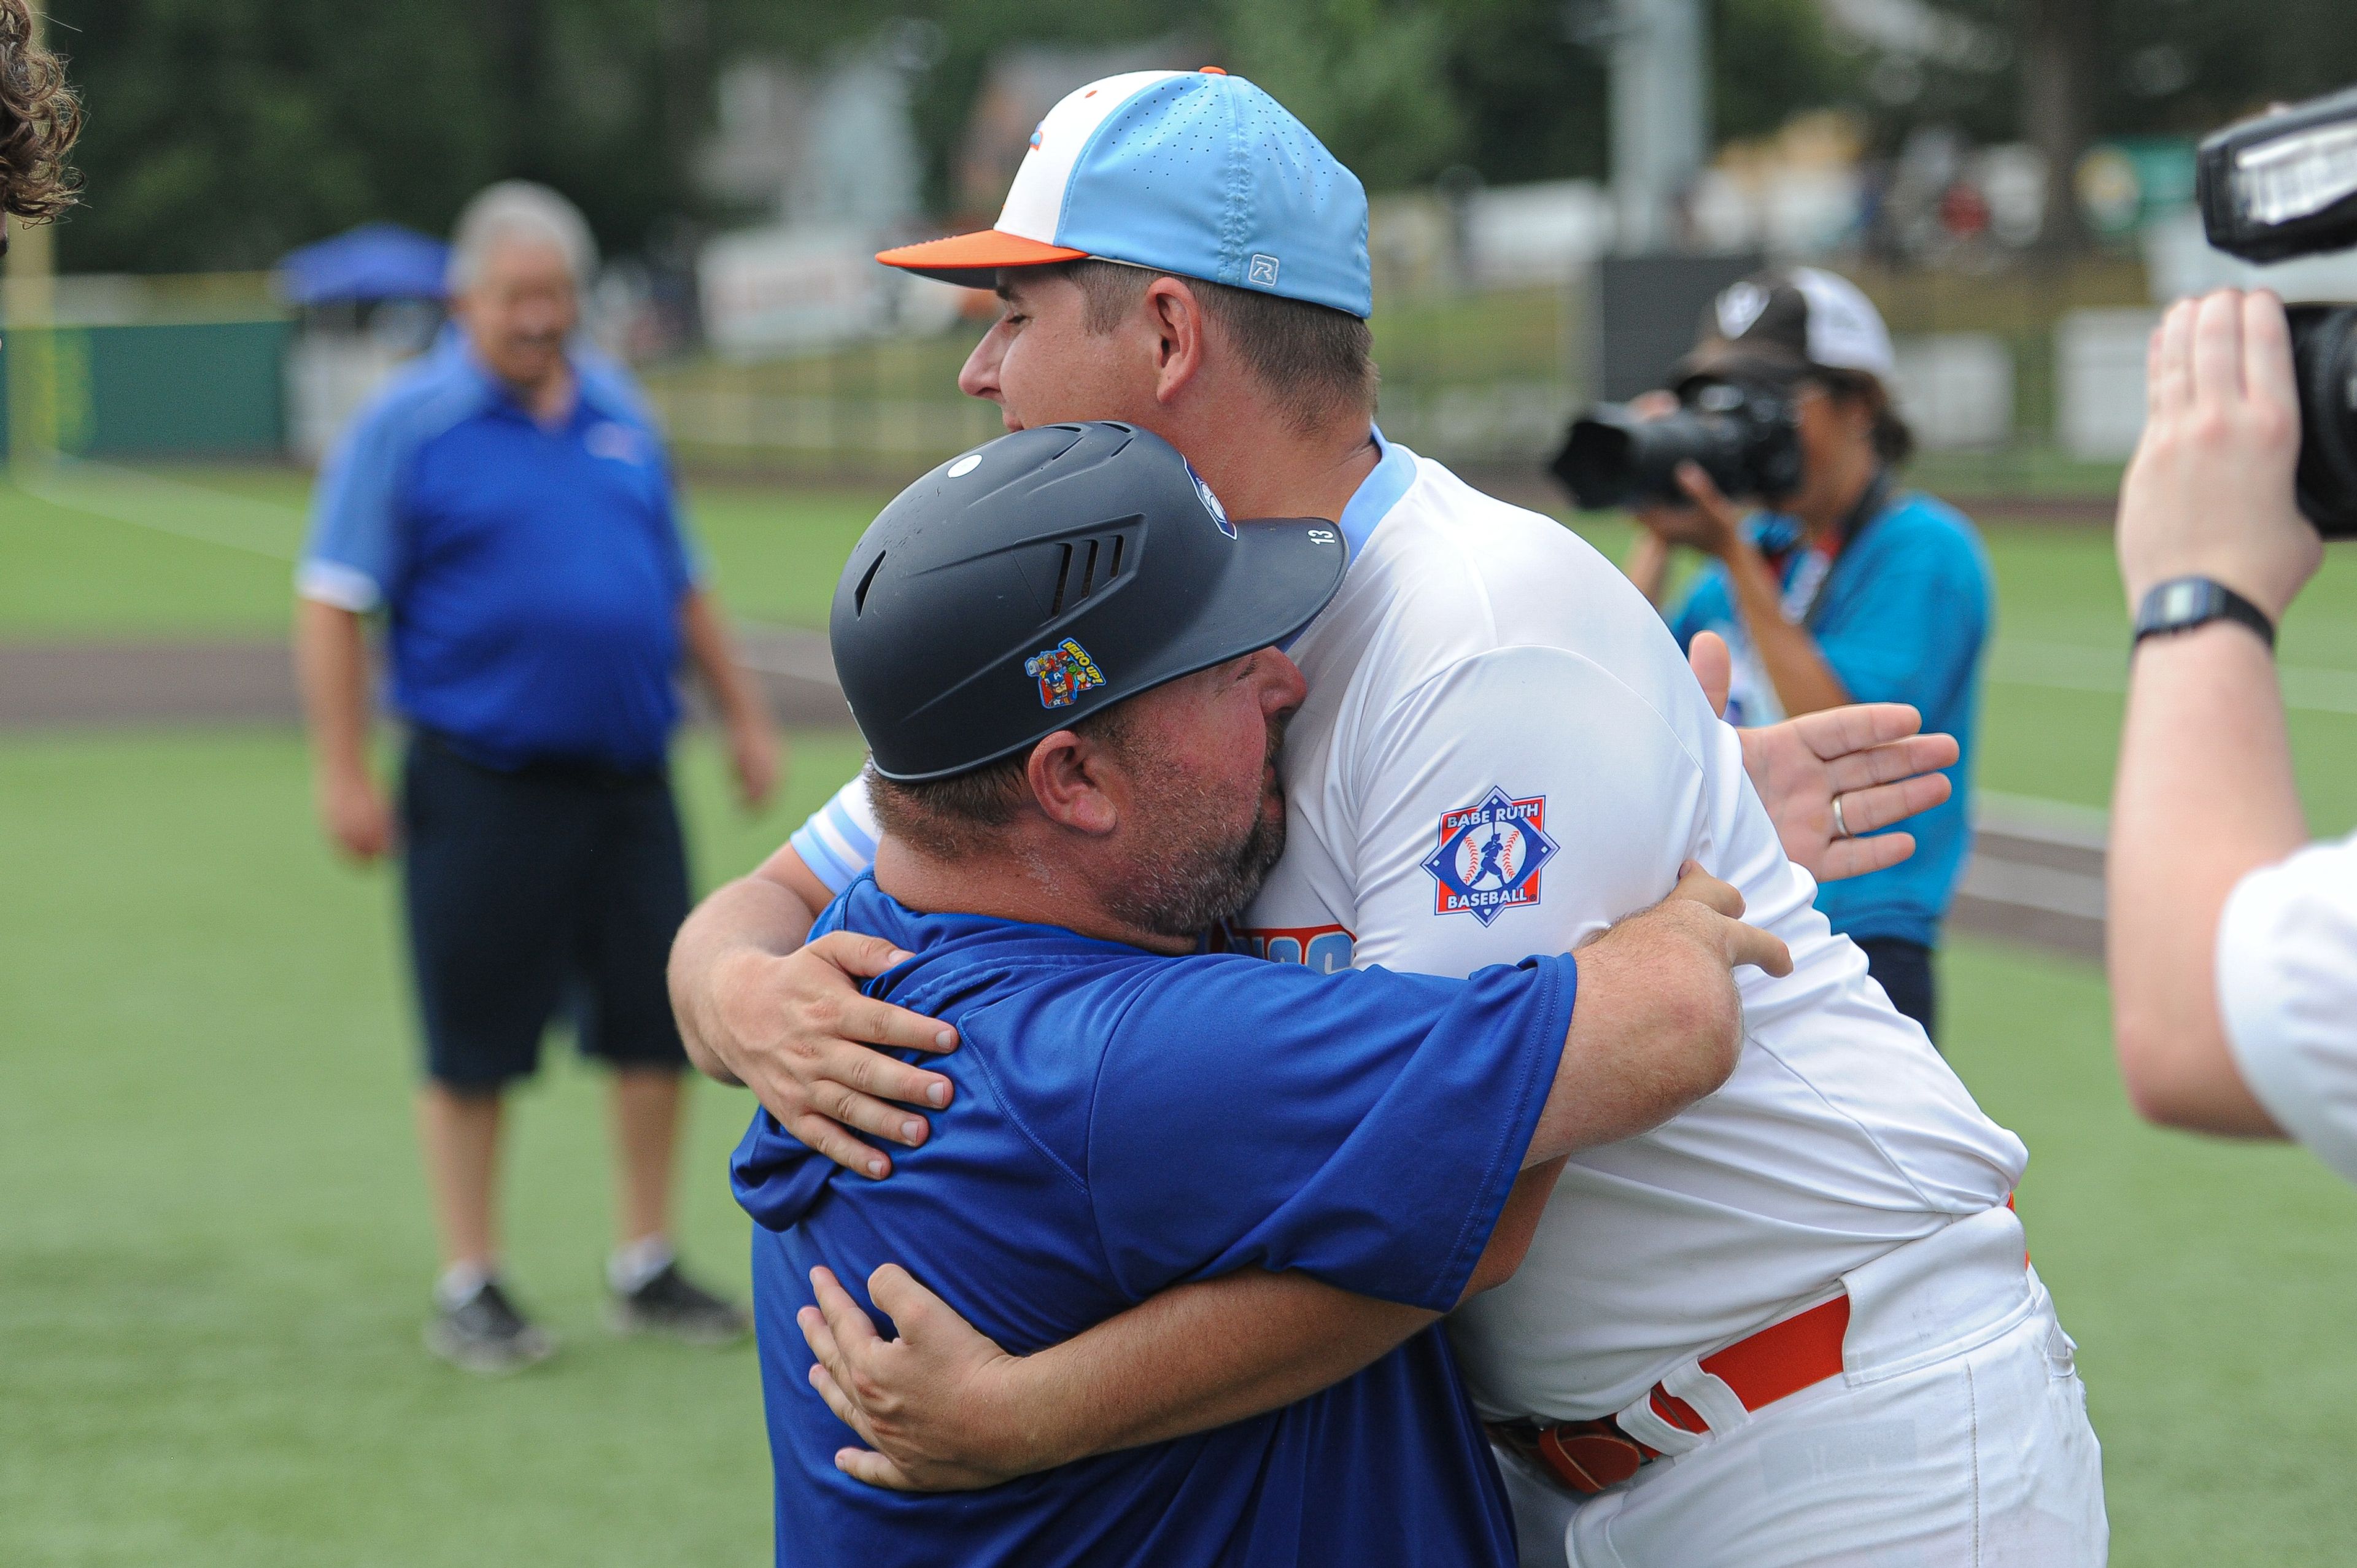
{"x":107,"y":552}
{"x":214,"y":1253}
{"x":215,"y":1249}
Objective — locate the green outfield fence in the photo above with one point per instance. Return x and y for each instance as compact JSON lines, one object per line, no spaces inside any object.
{"x":213,"y":389}
{"x":1481,"y":378}
{"x":1484,"y":379}
{"x":195,"y":366}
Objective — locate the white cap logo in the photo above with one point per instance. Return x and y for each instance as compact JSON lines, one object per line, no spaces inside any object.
{"x":1739,"y":306}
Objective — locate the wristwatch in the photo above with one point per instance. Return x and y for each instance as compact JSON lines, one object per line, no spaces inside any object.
{"x":2183,"y":603}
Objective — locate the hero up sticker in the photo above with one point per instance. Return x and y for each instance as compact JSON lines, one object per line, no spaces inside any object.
{"x":1490,"y":856}
{"x":1063,"y":671}
{"x":1211,"y":501}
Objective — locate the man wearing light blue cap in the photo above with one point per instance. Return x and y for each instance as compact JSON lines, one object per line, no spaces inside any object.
{"x":1501,"y":752}
{"x":1193,"y":172}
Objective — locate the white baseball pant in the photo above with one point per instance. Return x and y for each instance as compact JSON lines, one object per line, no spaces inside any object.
{"x":1956,"y":1435}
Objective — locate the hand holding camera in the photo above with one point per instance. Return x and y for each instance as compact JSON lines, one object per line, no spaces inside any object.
{"x":2209,"y":492}
{"x":1704,"y":519}
{"x":2249,"y":455}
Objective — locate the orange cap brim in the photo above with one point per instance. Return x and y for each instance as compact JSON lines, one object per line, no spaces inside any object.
{"x":971,"y":261}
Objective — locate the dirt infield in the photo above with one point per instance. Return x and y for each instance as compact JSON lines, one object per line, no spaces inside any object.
{"x":2035,"y":876}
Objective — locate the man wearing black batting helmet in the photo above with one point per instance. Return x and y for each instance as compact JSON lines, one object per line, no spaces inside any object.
{"x":1068,"y":665}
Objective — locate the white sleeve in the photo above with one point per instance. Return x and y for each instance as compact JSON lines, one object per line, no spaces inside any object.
{"x":838,"y":842}
{"x":1512,"y":804}
{"x":2287,"y":994}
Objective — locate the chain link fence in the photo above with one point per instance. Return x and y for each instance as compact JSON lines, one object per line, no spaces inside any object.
{"x":1991,"y":364}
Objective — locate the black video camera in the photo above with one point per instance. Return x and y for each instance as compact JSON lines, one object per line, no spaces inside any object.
{"x":1743,"y":435}
{"x":2285,"y":184}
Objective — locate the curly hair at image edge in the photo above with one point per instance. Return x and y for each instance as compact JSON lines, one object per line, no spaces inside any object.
{"x":39,"y":118}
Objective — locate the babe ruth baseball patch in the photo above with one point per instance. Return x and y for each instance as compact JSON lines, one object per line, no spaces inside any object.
{"x":1490,"y":856}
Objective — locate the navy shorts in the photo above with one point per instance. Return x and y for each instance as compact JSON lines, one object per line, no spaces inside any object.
{"x":555,"y":889}
{"x":1904,"y":970}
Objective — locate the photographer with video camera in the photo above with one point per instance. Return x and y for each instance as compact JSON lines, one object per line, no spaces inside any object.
{"x":2232,"y":940}
{"x":1846,"y":590}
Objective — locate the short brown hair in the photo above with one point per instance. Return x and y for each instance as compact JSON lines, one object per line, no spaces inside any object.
{"x":39,"y":118}
{"x":1319,"y":362}
{"x":948,"y":819}
{"x":1894,"y":441}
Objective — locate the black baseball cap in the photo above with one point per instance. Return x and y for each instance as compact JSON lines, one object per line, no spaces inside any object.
{"x":1047,"y":577}
{"x":1777,"y":327}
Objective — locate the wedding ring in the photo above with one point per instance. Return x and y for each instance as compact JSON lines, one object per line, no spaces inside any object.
{"x":1841,"y":829}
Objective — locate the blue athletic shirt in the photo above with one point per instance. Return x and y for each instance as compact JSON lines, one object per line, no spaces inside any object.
{"x":1124,"y":1122}
{"x":532,"y":576}
{"x":1901,"y":618}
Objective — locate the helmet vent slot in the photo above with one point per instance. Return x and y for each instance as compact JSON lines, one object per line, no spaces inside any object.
{"x":859,"y":595}
{"x":1063,"y":576}
{"x":1077,"y":570}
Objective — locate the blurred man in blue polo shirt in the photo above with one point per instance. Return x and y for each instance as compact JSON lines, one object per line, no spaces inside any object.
{"x":1855,"y":591}
{"x":507,"y":507}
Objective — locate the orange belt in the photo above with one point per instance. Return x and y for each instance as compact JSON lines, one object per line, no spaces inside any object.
{"x":1781,"y":1359}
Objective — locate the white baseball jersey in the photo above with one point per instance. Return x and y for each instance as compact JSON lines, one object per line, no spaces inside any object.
{"x":1503,"y":751}
{"x":2287,"y":972}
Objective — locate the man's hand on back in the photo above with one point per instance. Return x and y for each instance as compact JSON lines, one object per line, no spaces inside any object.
{"x":796,"y":1030}
{"x":1866,"y":755}
{"x":933,"y":1406}
{"x":1657,"y":1023}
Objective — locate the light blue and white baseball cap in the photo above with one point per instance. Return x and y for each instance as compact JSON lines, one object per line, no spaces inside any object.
{"x":1193,"y":172}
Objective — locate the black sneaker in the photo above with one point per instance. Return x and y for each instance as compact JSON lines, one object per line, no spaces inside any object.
{"x":487,"y":1334}
{"x":672,"y":1304}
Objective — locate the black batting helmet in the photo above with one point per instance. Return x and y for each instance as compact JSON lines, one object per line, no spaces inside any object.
{"x":1049,"y":575}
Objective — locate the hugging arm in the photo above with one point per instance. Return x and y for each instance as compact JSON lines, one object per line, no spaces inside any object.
{"x":757,"y":1007}
{"x":942,"y":1408}
{"x":1656,"y":1025}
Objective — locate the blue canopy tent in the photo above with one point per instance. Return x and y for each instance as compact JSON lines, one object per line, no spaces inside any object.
{"x":373,"y":261}
{"x":369,"y":298}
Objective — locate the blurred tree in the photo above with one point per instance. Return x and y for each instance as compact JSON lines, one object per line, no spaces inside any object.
{"x":2189,"y":66}
{"x":223,"y":133}
{"x":2058,"y":60}
{"x":1532,"y":86}
{"x":1370,"y":77}
{"x":1531,"y":94}
{"x":1773,"y":59}
{"x":973,"y":31}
